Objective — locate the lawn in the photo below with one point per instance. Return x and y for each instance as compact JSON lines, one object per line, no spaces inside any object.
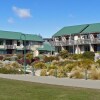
{"x":20,"y":90}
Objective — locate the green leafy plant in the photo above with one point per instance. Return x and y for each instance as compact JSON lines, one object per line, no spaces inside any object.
{"x":64,"y":54}
{"x":43,"y":72}
{"x":88,"y":55}
{"x":39,"y":65}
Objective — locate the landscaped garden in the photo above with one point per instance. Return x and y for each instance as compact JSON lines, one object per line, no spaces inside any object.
{"x":19,"y":90}
{"x":81,"y":66}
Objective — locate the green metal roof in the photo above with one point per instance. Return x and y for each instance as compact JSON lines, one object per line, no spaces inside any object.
{"x":46,"y":47}
{"x":19,"y":35}
{"x":33,"y":37}
{"x":92,"y":28}
{"x":71,"y":30}
{"x":10,"y":35}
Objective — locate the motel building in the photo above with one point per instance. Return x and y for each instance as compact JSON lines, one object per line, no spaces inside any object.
{"x":16,"y":42}
{"x":78,"y":39}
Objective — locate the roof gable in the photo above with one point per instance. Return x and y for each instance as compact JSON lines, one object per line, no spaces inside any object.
{"x":46,"y":47}
{"x":93,"y":28}
{"x":71,"y":30}
{"x":19,"y":36}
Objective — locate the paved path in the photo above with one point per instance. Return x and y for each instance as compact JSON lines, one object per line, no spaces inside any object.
{"x":95,"y":84}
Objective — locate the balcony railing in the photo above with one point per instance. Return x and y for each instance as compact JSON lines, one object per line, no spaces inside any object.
{"x":28,"y":47}
{"x":9,"y":46}
{"x":76,"y":42}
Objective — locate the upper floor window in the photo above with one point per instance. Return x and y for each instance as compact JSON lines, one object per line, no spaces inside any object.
{"x":18,"y":43}
{"x":1,"y":42}
{"x":86,"y":36}
{"x":98,"y":36}
{"x":9,"y":42}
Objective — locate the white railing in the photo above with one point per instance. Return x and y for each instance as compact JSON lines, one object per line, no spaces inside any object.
{"x":9,"y":46}
{"x":76,"y":42}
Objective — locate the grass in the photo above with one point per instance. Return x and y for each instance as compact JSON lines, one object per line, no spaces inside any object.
{"x":20,"y":90}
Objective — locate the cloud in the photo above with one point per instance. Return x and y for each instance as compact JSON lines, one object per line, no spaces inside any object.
{"x":10,"y":20}
{"x":21,"y":12}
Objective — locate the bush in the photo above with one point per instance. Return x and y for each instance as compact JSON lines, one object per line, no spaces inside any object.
{"x":61,"y":72}
{"x":16,"y":65}
{"x":39,"y":65}
{"x":69,"y":67}
{"x":95,"y":74}
{"x":52,"y":67}
{"x":7,"y":58}
{"x":10,"y":71}
{"x":98,"y":62}
{"x":20,"y":56}
{"x":88,"y":55}
{"x":76,"y":74}
{"x":50,"y":58}
{"x":63,"y":54}
{"x":21,"y":61}
{"x":1,"y":57}
{"x":76,"y":56}
{"x":29,"y":56}
{"x":52,"y":72}
{"x":43,"y":72}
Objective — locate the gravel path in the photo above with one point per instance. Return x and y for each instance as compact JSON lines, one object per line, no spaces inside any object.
{"x":95,"y":84}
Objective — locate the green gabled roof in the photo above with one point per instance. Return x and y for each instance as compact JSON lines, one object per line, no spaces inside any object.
{"x":19,"y":36}
{"x":46,"y":47}
{"x":10,"y":35}
{"x":33,"y":37}
{"x":92,"y":28}
{"x":71,"y":30}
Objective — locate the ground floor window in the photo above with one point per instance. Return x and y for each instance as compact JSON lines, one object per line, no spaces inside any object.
{"x":87,"y":48}
{"x":3,"y":52}
{"x":19,"y":51}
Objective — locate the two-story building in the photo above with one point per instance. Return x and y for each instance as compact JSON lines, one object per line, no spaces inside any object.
{"x":78,"y":39}
{"x":16,"y":42}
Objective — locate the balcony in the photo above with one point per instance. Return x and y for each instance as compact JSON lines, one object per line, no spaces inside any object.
{"x":28,"y":47}
{"x":9,"y":46}
{"x":76,"y":42}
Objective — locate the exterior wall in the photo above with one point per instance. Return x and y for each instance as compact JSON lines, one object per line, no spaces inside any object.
{"x":18,"y":49}
{"x":76,"y":38}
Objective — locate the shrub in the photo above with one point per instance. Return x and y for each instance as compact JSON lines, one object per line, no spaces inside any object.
{"x":52,"y":67}
{"x":98,"y":61}
{"x":63,"y":54}
{"x":52,"y":72}
{"x":95,"y":74}
{"x":21,"y":61}
{"x":20,"y":56}
{"x":76,"y":74}
{"x":61,"y":72}
{"x":39,"y":65}
{"x":62,"y":63}
{"x":10,"y":71}
{"x":13,"y":58}
{"x":88,"y":55}
{"x":43,"y":72}
{"x":85,"y":64}
{"x":16,"y":65}
{"x":50,"y":58}
{"x":69,"y":67}
{"x":7,"y":58}
{"x":29,"y":56}
{"x":1,"y":57}
{"x":76,"y":56}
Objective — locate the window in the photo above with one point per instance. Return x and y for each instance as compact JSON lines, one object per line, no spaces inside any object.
{"x":18,"y":43}
{"x":98,"y":36}
{"x":1,"y":42}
